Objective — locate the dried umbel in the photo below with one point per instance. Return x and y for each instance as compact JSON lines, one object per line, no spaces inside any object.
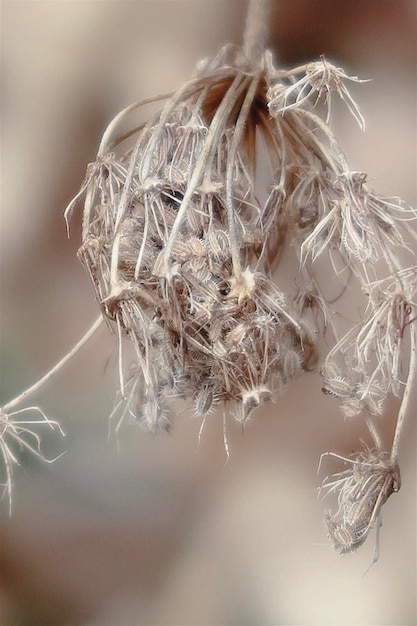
{"x":180,"y":247}
{"x":188,"y":210}
{"x":362,"y":490}
{"x":180,"y":240}
{"x":181,"y":236}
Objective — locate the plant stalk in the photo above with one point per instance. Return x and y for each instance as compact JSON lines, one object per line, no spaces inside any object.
{"x":256,"y":29}
{"x":50,"y":373}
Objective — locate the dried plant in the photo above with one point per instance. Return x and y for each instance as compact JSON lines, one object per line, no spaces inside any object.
{"x":181,"y":237}
{"x":362,"y":491}
{"x":17,"y":434}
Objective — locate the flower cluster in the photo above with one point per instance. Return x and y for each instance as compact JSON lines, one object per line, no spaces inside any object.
{"x":362,"y":491}
{"x":187,"y":213}
{"x":180,"y":249}
{"x":183,"y":230}
{"x":298,"y":85}
{"x":17,"y":434}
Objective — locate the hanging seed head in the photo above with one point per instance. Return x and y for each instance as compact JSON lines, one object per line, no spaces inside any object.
{"x":187,"y":214}
{"x":181,"y":233}
{"x":179,"y":246}
{"x":361,"y":490}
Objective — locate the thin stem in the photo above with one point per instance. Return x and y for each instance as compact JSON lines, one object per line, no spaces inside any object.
{"x":256,"y":29}
{"x":105,"y":144}
{"x":374,"y":433}
{"x":409,"y":393}
{"x":50,"y":373}
{"x":315,"y":143}
{"x":237,"y":136}
{"x":217,"y":126}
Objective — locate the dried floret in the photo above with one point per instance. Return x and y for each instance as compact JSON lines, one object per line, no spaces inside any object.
{"x":319,"y":78}
{"x":361,"y":490}
{"x":17,"y":434}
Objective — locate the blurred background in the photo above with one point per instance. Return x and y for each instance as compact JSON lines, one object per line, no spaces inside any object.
{"x":130,"y":529}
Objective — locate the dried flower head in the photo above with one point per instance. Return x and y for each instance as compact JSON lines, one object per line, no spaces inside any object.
{"x":361,"y":490}
{"x":187,"y":211}
{"x":319,"y":78}
{"x":17,"y":434}
{"x":179,"y":247}
{"x":181,"y":237}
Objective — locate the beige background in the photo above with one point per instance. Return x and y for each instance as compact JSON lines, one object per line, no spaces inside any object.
{"x":144,"y":530}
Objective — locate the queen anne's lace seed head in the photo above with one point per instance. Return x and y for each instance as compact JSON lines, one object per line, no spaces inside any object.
{"x":175,"y":238}
{"x":181,"y":236}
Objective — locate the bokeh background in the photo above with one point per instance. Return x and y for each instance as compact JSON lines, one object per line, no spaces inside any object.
{"x":130,"y":529}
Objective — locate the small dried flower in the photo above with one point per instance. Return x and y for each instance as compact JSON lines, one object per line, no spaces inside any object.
{"x":361,"y":490}
{"x":18,"y":434}
{"x":357,"y":393}
{"x":319,"y":77}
